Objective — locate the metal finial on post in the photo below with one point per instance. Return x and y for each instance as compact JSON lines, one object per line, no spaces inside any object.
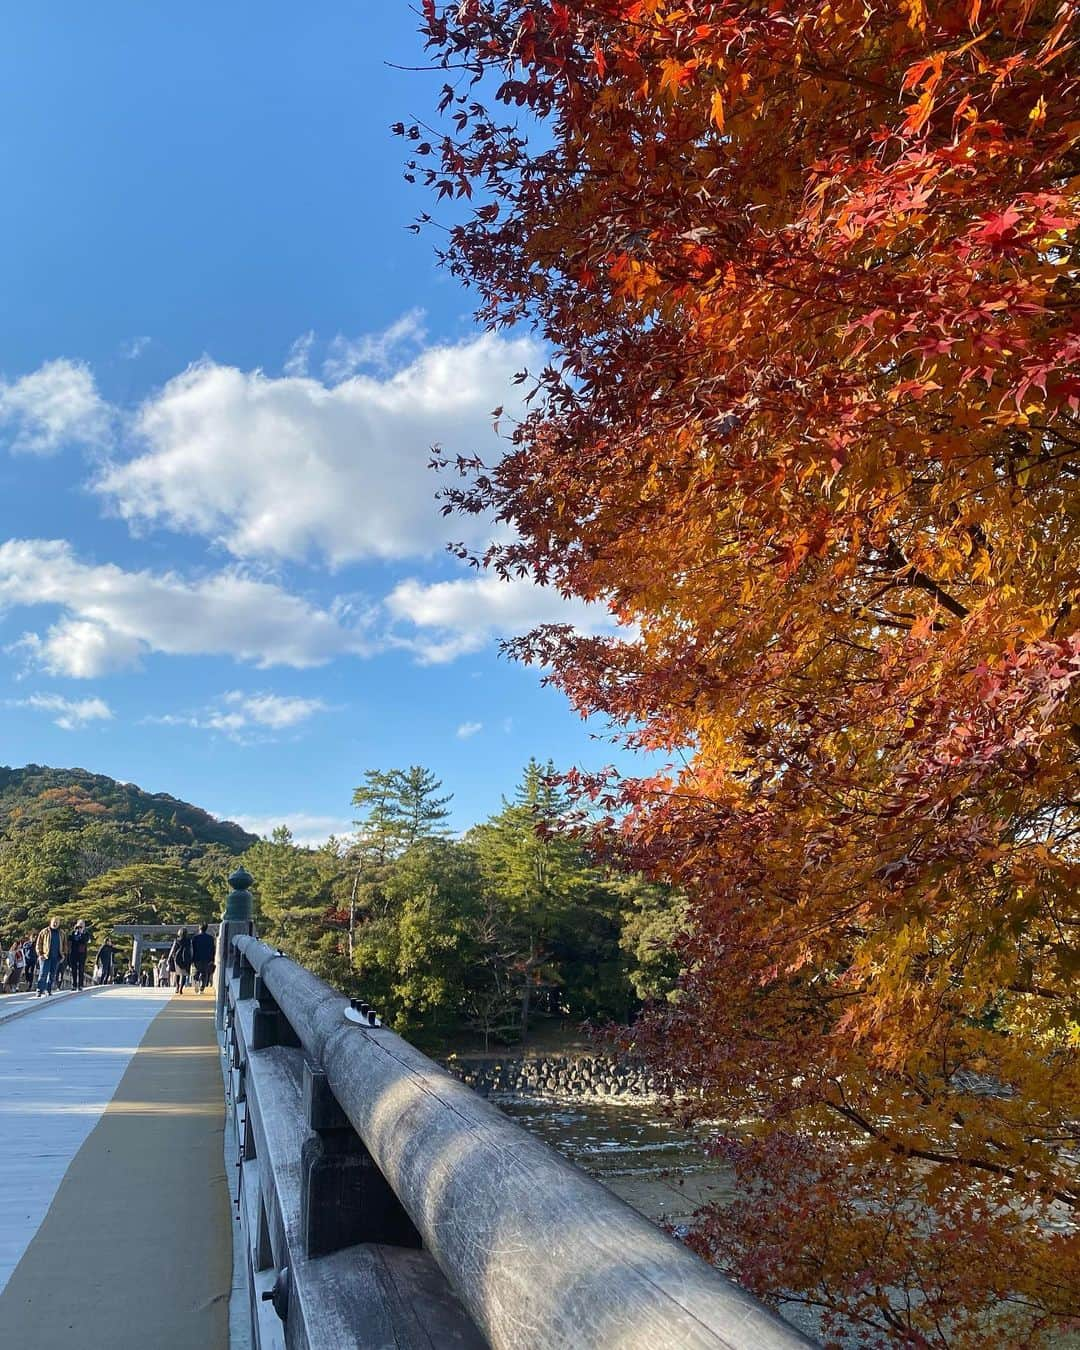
{"x":238,"y":918}
{"x":239,"y":907}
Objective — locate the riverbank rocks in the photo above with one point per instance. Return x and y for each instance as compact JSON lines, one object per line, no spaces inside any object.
{"x":562,"y":1077}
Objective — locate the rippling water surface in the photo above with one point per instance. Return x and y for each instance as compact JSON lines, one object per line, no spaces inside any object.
{"x":652,"y":1163}
{"x":658,"y":1168}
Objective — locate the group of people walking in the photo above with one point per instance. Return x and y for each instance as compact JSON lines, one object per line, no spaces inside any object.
{"x":51,"y":956}
{"x":46,"y":958}
{"x":191,"y":959}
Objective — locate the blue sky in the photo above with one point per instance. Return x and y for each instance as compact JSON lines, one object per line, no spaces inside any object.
{"x":225,"y":358}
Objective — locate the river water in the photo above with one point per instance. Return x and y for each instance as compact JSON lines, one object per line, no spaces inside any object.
{"x":653,"y":1164}
{"x":650,"y":1162}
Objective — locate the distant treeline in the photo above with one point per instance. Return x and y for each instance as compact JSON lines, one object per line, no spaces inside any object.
{"x":482,"y":932}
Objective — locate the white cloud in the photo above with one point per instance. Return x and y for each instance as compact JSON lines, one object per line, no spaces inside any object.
{"x":275,"y":711}
{"x":55,"y":405}
{"x":134,"y":347}
{"x":109,"y":619}
{"x":309,"y":831}
{"x":458,"y":617}
{"x":296,"y":363}
{"x":377,"y":351}
{"x":468,"y":729}
{"x":277,"y":468}
{"x":80,"y":649}
{"x":112,"y":617}
{"x":242,"y":716}
{"x":293,"y":467}
{"x":70,"y":714}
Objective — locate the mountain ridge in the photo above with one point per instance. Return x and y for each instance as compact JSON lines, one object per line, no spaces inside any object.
{"x":41,"y":796}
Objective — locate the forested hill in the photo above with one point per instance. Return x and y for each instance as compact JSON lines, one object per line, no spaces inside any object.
{"x":474,"y":935}
{"x":81,"y":845}
{"x":41,"y":797}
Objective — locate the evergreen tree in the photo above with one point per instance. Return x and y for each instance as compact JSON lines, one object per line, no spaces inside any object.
{"x":423,"y":814}
{"x":380,"y":831}
{"x":432,"y":890}
{"x":292,"y":891}
{"x":402,"y":807}
{"x":140,"y":892}
{"x":536,"y":871}
{"x":492,"y":983}
{"x":213,"y":867}
{"x":653,"y":919}
{"x":39,"y":873}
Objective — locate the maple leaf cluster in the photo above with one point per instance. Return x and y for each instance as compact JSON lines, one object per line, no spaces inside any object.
{"x":808,"y":273}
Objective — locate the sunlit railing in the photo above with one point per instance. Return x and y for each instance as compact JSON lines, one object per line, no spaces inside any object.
{"x":376,"y":1190}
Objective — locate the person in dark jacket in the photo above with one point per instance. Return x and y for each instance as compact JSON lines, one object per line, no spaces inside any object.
{"x":78,"y":943}
{"x":202,"y":958}
{"x":103,"y":962}
{"x":31,"y":958}
{"x":180,"y":959}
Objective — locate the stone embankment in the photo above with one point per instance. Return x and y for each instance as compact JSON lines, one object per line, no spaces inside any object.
{"x":561,"y":1077}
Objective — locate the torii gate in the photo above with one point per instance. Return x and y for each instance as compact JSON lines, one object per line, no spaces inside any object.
{"x":154,"y":936}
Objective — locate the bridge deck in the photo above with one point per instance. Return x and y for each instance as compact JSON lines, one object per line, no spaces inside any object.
{"x":114,"y":1212}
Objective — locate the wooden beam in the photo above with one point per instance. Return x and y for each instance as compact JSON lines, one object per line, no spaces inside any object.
{"x":541,"y":1255}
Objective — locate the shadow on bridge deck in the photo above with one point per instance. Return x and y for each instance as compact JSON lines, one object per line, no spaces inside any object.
{"x":135,"y":1249}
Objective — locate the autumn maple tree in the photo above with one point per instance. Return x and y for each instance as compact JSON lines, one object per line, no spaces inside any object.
{"x":807,"y":271}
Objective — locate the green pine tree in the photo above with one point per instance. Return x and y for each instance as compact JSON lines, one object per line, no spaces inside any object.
{"x":538,"y":873}
{"x":141,"y":892}
{"x":292,"y":892}
{"x":422,"y":812}
{"x":380,"y":830}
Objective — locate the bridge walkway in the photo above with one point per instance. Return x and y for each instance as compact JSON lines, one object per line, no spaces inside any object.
{"x":114,"y":1206}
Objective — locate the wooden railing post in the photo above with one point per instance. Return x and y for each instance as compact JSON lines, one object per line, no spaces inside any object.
{"x":271,"y":1026}
{"x":238,"y":919}
{"x":344,"y":1198}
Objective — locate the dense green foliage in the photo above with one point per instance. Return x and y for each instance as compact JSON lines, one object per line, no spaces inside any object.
{"x":81,"y":845}
{"x":482,"y":933}
{"x":40,"y":797}
{"x":142,"y":892}
{"x":479,"y":933}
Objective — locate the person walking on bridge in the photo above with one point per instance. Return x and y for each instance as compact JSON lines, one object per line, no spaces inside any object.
{"x":78,"y":942}
{"x":30,"y":960}
{"x":103,"y":963}
{"x":14,"y":965}
{"x":51,"y":950}
{"x":202,"y":957}
{"x":180,"y":959}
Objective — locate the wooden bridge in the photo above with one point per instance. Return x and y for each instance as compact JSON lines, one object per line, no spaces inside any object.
{"x":342,"y":1191}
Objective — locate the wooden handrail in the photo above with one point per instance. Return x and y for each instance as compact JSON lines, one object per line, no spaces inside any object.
{"x":541,"y":1255}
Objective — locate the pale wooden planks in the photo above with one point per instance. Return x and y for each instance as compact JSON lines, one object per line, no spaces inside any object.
{"x":59,"y":1067}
